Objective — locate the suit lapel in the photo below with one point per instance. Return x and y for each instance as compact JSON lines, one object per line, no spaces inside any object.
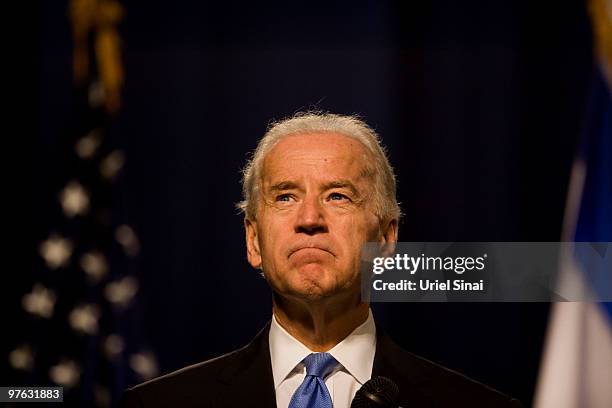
{"x":402,"y":368}
{"x":247,"y":381}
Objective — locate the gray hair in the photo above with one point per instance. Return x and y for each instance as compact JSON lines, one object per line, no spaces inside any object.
{"x":386,"y":207}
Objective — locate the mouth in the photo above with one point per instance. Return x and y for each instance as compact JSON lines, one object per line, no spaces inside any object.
{"x":309,"y":249}
{"x":310,"y":256}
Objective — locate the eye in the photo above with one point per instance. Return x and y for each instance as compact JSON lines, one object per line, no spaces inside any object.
{"x":337,"y":197}
{"x":283,"y":197}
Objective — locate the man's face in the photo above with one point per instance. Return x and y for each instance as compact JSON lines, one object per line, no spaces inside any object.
{"x":315,"y":213}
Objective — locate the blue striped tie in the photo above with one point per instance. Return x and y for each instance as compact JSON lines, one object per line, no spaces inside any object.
{"x":313,"y":393}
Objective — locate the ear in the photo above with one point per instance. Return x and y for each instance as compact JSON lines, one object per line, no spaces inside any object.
{"x":388,"y":237}
{"x":252,"y":243}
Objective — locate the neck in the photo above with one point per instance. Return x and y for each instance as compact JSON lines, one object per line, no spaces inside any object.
{"x":321,"y":324}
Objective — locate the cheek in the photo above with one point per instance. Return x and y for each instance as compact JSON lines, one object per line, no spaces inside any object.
{"x":273,"y":238}
{"x":361,"y":229}
{"x":351,"y":238}
{"x":372,"y":227}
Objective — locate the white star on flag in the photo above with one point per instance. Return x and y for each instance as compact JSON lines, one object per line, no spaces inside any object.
{"x":40,"y":301}
{"x":74,"y":199}
{"x":56,"y":251}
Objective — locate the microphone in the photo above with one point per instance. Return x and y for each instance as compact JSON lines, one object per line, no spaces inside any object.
{"x":377,"y":392}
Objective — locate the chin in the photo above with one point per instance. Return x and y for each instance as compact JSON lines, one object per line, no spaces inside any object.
{"x":313,"y":282}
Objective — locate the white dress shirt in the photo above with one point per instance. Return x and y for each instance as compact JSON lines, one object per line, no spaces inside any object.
{"x":355,"y":355}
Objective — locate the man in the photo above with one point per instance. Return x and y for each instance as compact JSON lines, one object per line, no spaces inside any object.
{"x":316,"y":189}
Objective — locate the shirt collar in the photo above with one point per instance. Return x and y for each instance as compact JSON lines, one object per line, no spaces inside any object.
{"x":355,"y":352}
{"x":285,"y":352}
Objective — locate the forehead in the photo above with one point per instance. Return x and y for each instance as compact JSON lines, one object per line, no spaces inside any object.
{"x":324,"y":154}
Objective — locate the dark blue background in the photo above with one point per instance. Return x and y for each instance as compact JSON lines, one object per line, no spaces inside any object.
{"x":480,"y":104}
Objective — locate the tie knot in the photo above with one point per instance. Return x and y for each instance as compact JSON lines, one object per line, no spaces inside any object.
{"x":319,"y":364}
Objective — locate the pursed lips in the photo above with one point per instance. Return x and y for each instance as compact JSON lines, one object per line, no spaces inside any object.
{"x":318,"y":247}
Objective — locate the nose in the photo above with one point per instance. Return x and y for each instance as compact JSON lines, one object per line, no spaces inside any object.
{"x":310,"y":217}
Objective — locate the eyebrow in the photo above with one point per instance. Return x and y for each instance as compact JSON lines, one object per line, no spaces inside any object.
{"x":291,"y":185}
{"x":283,"y":186}
{"x":341,"y":184}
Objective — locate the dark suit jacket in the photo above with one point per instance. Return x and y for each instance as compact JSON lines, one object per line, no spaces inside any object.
{"x":243,"y":378}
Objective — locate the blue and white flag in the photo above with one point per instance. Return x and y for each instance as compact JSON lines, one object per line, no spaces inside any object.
{"x":576,"y":369}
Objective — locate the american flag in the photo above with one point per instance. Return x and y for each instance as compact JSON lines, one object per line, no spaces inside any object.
{"x":79,"y":323}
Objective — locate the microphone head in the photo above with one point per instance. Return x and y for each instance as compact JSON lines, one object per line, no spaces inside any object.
{"x":378,"y":392}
